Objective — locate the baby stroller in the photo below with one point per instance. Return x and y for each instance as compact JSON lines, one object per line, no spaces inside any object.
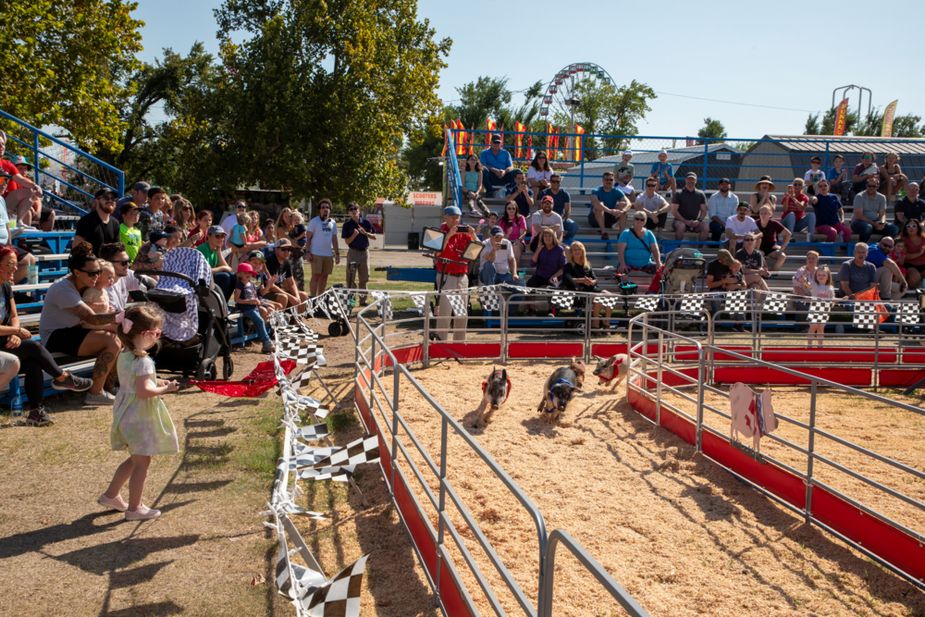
{"x":196,"y":317}
{"x":683,"y":266}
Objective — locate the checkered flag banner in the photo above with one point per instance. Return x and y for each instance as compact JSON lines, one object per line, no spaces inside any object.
{"x":362,"y":450}
{"x":607,"y":300}
{"x":457,"y":303}
{"x":294,"y":402}
{"x":385,"y":305}
{"x":489,"y":298}
{"x":312,"y":432}
{"x":819,"y":311}
{"x":335,"y":474}
{"x":865,"y":315}
{"x":774,"y":302}
{"x":339,"y":597}
{"x":563,"y":299}
{"x":692,"y":305}
{"x":306,"y":356}
{"x":419,"y":300}
{"x":292,"y":580}
{"x":308,"y":456}
{"x":908,"y":313}
{"x":647,"y":303}
{"x":736,"y":302}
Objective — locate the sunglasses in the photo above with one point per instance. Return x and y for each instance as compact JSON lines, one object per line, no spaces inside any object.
{"x":651,"y":186}
{"x":122,"y":262}
{"x":748,"y":240}
{"x":91,"y":272}
{"x":285,"y":249}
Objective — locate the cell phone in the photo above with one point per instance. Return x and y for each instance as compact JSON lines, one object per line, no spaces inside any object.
{"x":462,"y":228}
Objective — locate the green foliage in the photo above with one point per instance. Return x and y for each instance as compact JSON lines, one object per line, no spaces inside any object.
{"x":319,"y":97}
{"x":712,"y":129}
{"x":68,"y":64}
{"x":605,"y":108}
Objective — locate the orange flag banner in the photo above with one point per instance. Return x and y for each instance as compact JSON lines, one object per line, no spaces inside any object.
{"x":460,"y":138}
{"x":886,"y":129}
{"x":492,"y":126}
{"x":519,"y":140}
{"x":579,"y":143}
{"x":873,"y":295}
{"x":841,"y":118}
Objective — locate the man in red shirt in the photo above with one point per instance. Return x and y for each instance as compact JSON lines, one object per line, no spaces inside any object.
{"x":23,"y":196}
{"x":452,"y":273}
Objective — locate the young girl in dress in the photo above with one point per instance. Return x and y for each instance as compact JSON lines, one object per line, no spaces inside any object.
{"x":820,"y":289}
{"x":140,"y":420}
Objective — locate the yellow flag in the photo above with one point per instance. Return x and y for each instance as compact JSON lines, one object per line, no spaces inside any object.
{"x":886,"y":129}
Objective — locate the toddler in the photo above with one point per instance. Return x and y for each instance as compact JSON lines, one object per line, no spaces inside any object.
{"x":97,"y":298}
{"x":250,"y":305}
{"x":140,"y":420}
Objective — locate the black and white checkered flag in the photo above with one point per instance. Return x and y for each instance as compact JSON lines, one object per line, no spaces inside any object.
{"x":865,"y":315}
{"x":489,"y":299}
{"x":293,"y":580}
{"x":335,"y":474}
{"x":692,"y":305}
{"x":774,"y":302}
{"x":339,"y":597}
{"x":647,"y":303}
{"x":312,"y":432}
{"x":908,"y":313}
{"x":563,"y":299}
{"x":304,"y":456}
{"x":457,"y":303}
{"x":385,"y":305}
{"x":419,"y":300}
{"x":819,"y":311}
{"x":736,"y":302}
{"x":295,"y":402}
{"x":607,"y":300}
{"x":362,"y":450}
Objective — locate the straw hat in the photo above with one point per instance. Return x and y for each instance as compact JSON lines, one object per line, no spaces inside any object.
{"x":765,"y":180}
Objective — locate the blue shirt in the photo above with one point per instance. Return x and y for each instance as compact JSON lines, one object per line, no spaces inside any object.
{"x":610,"y":198}
{"x":658,"y":168}
{"x":502,"y":160}
{"x":637,"y":253}
{"x":875,"y":255}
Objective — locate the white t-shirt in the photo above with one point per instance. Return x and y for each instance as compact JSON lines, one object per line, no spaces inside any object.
{"x":741,"y":228}
{"x":323,"y":233}
{"x":650,"y":204}
{"x":228,"y":224}
{"x":118,"y":293}
{"x":502,"y":258}
{"x":539,"y":220}
{"x":536,"y":174}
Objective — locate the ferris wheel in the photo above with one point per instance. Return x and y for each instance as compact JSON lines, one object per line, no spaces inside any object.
{"x":561,"y":98}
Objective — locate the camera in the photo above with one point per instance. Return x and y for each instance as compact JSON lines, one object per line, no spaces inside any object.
{"x":462,"y":228}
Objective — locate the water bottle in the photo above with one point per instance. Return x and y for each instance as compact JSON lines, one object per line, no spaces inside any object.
{"x":15,"y":398}
{"x":33,"y":274}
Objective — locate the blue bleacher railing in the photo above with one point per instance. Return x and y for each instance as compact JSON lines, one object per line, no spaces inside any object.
{"x":744,"y":160}
{"x":453,"y":172}
{"x":87,"y":172}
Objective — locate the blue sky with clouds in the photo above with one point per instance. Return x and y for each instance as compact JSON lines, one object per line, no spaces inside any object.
{"x":763,"y":66}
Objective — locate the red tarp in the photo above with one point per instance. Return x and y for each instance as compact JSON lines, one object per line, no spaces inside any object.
{"x":258,"y":381}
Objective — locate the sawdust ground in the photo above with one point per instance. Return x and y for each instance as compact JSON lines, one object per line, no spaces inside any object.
{"x":680,"y":534}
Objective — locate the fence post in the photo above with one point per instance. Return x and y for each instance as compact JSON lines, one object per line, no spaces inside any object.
{"x":441,"y":505}
{"x":504,"y":311}
{"x":810,"y":448}
{"x":395,"y":386}
{"x":706,"y":163}
{"x":702,"y":362}
{"x":426,"y":313}
{"x":36,"y":170}
{"x":658,"y":385}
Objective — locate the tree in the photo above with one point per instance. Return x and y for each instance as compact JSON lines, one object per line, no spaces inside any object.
{"x":67,"y":64}
{"x":712,"y":129}
{"x":605,"y":108}
{"x":906,"y":125}
{"x":319,"y":97}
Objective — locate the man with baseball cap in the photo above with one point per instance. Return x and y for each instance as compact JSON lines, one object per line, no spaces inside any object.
{"x":625,"y":171}
{"x":212,"y":251}
{"x":452,"y":273}
{"x":497,"y":167}
{"x":544,"y":217}
{"x":280,"y":268}
{"x":98,"y":227}
{"x":138,"y":195}
{"x":496,"y":262}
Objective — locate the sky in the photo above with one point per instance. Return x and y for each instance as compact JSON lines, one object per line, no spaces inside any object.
{"x":764,"y":67}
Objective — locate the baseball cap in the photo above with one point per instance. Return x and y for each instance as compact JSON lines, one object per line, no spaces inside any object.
{"x":547,"y":199}
{"x":691,"y":174}
{"x":257,"y":254}
{"x":216,"y":230}
{"x":497,"y":231}
{"x":627,"y":153}
{"x":246,"y":267}
{"x":21,"y":160}
{"x":496,"y":138}
{"x":724,"y":180}
{"x":126,"y":206}
{"x":104,"y":192}
{"x":815,"y":159}
{"x":452,"y":211}
{"x":157,"y":236}
{"x":141,"y":186}
{"x":283,"y":242}
{"x":154,"y":190}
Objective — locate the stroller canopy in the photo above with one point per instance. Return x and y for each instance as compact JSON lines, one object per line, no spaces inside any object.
{"x":191,"y":263}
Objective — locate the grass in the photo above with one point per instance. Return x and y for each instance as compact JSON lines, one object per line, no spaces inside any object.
{"x":260,"y":448}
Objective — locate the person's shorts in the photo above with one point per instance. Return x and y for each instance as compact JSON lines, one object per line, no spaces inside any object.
{"x":322,"y":265}
{"x":46,"y":214}
{"x":609,"y":220}
{"x":7,"y":362}
{"x":67,"y":340}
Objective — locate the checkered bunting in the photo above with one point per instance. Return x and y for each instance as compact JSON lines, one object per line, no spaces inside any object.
{"x":908,"y":313}
{"x":362,"y":450}
{"x":774,"y":302}
{"x":457,"y":303}
{"x":290,"y":508}
{"x":306,"y":356}
{"x":312,"y":432}
{"x":692,"y":305}
{"x":865,"y":315}
{"x":419,"y":301}
{"x":608,"y":301}
{"x":335,"y":474}
{"x":819,"y":311}
{"x":489,"y":299}
{"x":647,"y":303}
{"x":307,"y":456}
{"x":293,"y":580}
{"x":563,"y":299}
{"x":385,"y":305}
{"x":736,"y":302}
{"x":339,"y":597}
{"x":295,"y":402}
